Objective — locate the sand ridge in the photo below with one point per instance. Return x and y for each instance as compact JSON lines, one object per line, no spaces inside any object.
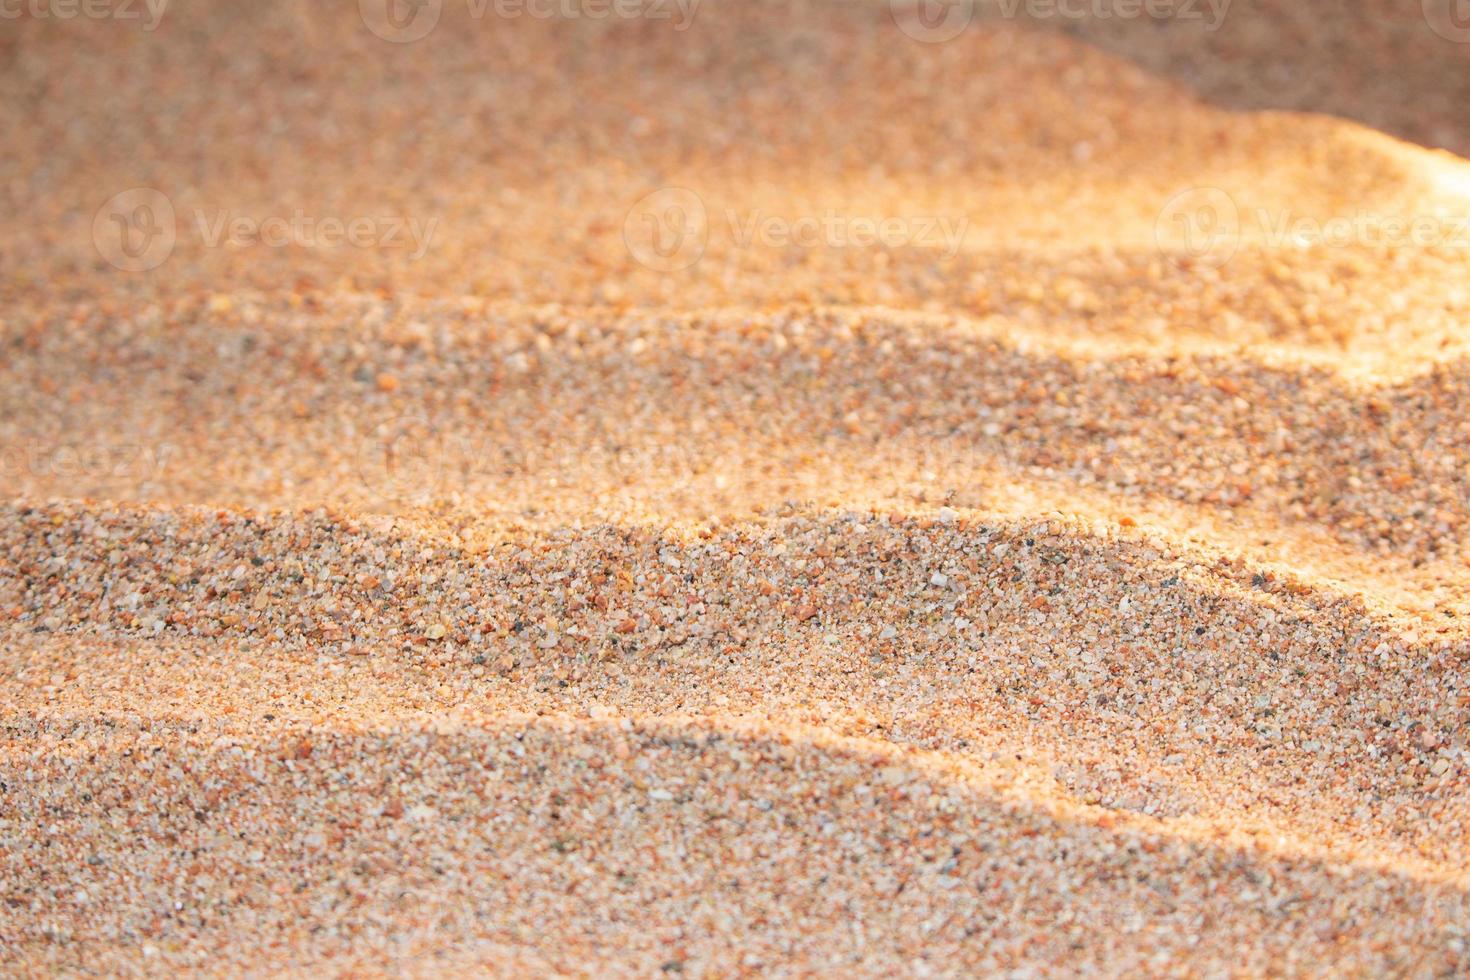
{"x":774,"y":497}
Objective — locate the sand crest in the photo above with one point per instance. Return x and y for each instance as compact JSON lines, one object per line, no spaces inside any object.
{"x":762,"y":490}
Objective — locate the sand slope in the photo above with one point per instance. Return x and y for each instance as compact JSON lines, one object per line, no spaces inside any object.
{"x":1037,"y":591}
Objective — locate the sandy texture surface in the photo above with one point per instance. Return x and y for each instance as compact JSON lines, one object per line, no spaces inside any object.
{"x":788,"y":495}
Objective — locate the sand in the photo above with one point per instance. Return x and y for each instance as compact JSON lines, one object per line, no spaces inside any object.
{"x":576,"y":496}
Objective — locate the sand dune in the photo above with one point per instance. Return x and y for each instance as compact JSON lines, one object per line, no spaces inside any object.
{"x":772,"y":496}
